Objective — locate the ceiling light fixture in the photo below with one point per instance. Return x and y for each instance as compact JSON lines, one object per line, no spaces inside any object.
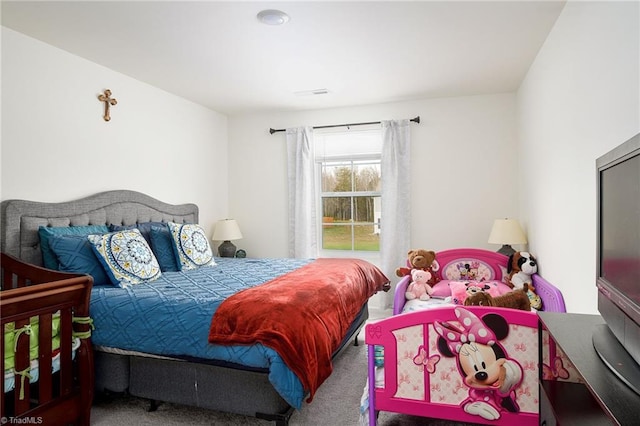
{"x":273,"y":17}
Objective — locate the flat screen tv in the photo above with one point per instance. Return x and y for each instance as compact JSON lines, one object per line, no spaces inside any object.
{"x":618,"y":260}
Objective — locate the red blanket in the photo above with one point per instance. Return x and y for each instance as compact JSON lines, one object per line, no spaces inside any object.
{"x":303,"y":315}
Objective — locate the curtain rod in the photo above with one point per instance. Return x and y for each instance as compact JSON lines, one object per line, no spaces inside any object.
{"x":272,"y":131}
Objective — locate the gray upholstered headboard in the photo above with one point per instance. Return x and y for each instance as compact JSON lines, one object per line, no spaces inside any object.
{"x":21,"y":219}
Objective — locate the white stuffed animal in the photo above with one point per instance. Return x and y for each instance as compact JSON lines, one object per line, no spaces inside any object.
{"x":521,"y":266}
{"x":419,"y":287}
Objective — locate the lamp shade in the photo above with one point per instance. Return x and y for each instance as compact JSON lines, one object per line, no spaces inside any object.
{"x":507,"y":231}
{"x":227,"y":230}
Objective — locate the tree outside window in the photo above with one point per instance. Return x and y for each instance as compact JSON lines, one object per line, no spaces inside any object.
{"x":350,"y":201}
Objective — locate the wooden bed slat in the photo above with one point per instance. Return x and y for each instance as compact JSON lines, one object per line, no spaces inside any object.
{"x":66,"y":370}
{"x":44,"y":358}
{"x":21,"y":364}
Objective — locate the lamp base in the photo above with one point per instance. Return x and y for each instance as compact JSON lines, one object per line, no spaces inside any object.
{"x":227,"y":249}
{"x":507,"y":250}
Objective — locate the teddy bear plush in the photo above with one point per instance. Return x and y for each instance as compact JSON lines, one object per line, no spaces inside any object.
{"x":516,"y":299}
{"x":421,"y":259}
{"x":522,"y":265}
{"x":419,"y":287}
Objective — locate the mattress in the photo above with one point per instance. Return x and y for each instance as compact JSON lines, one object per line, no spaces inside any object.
{"x":171,"y":316}
{"x":453,"y":292}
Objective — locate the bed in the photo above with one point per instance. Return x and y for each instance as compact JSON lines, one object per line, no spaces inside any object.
{"x":153,"y":363}
{"x":419,"y":359}
{"x":45,"y":345}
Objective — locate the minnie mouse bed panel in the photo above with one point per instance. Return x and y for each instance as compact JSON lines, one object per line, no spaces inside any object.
{"x":468,"y":364}
{"x":168,"y":322}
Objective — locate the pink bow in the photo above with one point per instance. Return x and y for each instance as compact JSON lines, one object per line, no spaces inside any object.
{"x":471,"y":329}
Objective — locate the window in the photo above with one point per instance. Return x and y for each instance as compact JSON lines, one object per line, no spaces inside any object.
{"x":350,"y":187}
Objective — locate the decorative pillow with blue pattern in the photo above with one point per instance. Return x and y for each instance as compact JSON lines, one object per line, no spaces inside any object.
{"x":159,"y":239}
{"x":126,"y":257}
{"x":191,"y":246}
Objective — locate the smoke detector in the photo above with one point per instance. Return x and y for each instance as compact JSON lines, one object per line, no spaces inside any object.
{"x":273,"y":17}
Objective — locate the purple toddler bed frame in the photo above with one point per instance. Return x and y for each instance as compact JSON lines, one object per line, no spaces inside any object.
{"x":425,"y":358}
{"x":552,"y":299}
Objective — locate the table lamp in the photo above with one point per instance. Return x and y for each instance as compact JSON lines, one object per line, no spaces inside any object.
{"x":227,"y":230}
{"x":507,"y":232}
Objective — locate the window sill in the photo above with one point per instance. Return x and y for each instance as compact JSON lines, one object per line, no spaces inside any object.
{"x":371,"y":256}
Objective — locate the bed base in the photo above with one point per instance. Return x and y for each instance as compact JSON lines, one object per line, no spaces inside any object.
{"x":63,"y":397}
{"x":202,"y":385}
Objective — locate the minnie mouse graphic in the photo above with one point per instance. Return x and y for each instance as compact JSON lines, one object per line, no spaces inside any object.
{"x":491,"y":377}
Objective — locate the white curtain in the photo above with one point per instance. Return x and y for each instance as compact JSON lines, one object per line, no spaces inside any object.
{"x":303,"y":240}
{"x":396,"y":200}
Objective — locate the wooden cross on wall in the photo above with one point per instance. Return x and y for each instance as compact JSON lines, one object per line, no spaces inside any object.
{"x":108,"y":101}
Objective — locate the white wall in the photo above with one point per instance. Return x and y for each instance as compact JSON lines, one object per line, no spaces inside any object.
{"x":57,"y":147}
{"x":581,"y":98}
{"x":530,"y":155}
{"x":463,"y":172}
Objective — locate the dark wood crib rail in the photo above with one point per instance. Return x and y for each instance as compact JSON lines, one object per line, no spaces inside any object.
{"x":16,"y":273}
{"x":33,"y":292}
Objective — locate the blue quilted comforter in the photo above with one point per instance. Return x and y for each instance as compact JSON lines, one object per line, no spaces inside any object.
{"x":172,"y":315}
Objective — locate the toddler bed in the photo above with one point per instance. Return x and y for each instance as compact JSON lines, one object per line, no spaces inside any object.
{"x":157,"y":339}
{"x":459,"y":267}
{"x":440,"y":359}
{"x":44,"y":316}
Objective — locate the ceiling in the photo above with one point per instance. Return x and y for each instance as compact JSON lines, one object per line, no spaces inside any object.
{"x":217,"y":54}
